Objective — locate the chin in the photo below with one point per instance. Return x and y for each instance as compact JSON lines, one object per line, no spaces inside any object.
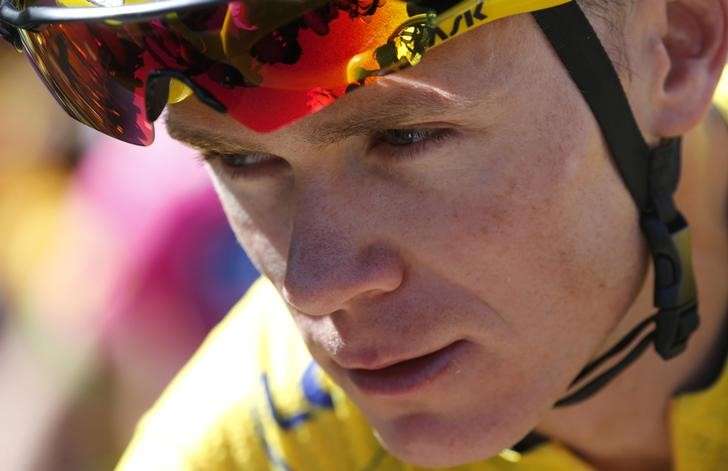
{"x":431,"y":441}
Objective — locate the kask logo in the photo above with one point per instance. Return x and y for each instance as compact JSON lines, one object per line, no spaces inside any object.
{"x":470,"y":18}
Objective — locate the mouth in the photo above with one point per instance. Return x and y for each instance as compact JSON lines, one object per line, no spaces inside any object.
{"x":408,"y":376}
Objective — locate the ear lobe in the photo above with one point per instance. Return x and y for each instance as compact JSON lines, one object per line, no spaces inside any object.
{"x":696,"y":44}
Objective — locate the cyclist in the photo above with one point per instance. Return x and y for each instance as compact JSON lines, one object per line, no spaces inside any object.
{"x":466,"y":213}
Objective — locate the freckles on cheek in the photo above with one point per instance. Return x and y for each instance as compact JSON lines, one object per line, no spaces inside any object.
{"x":573,"y":240}
{"x":525,"y":225}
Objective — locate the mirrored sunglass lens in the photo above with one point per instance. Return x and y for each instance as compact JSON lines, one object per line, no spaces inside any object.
{"x":93,"y":73}
{"x":245,"y":56}
{"x":209,"y":19}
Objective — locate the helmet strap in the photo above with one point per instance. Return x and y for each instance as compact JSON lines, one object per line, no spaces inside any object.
{"x":651,"y":176}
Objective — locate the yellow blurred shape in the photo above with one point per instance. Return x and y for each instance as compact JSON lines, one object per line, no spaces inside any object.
{"x":178,"y":91}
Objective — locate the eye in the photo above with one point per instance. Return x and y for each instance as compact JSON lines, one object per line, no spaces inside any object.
{"x":245,"y":165}
{"x":409,"y":142}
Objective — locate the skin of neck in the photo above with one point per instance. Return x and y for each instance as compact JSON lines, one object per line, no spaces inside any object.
{"x":626,"y":425}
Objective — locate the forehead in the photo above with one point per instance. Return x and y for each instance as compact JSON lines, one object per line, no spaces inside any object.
{"x":476,"y":68}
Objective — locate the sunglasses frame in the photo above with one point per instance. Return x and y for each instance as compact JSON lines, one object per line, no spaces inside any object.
{"x":30,"y":18}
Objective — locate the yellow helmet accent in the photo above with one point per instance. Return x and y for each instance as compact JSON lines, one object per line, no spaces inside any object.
{"x":178,"y":91}
{"x":75,"y":3}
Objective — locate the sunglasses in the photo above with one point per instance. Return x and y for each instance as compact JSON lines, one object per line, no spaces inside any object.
{"x":266,"y":63}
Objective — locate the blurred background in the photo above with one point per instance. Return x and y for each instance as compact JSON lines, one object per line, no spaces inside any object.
{"x":115,"y":262}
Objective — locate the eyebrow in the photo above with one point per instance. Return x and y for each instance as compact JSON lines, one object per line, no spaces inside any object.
{"x":208,"y":139}
{"x":397,"y":107}
{"x":404,"y":106}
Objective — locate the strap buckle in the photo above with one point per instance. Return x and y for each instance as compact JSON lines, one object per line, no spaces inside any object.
{"x":675,"y":291}
{"x":668,"y":236}
{"x":674,"y":328}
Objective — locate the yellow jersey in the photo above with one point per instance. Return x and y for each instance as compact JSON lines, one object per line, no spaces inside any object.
{"x":720,"y":99}
{"x":252,"y":399}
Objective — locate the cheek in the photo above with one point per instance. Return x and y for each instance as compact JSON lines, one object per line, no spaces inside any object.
{"x":259,"y":223}
{"x":544,"y":232}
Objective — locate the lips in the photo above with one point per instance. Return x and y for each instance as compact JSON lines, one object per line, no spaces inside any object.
{"x":407,"y":376}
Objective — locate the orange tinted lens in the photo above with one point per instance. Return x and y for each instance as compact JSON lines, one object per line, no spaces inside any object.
{"x":314,"y":50}
{"x":303,"y":65}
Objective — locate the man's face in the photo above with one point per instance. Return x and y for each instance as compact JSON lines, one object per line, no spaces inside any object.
{"x":493,"y":231}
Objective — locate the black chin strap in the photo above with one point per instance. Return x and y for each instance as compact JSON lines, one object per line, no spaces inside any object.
{"x":651,"y":176}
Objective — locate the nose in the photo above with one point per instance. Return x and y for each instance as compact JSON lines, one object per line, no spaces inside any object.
{"x":333,"y":262}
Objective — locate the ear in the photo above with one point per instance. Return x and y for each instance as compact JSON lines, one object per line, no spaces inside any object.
{"x":695,"y":45}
